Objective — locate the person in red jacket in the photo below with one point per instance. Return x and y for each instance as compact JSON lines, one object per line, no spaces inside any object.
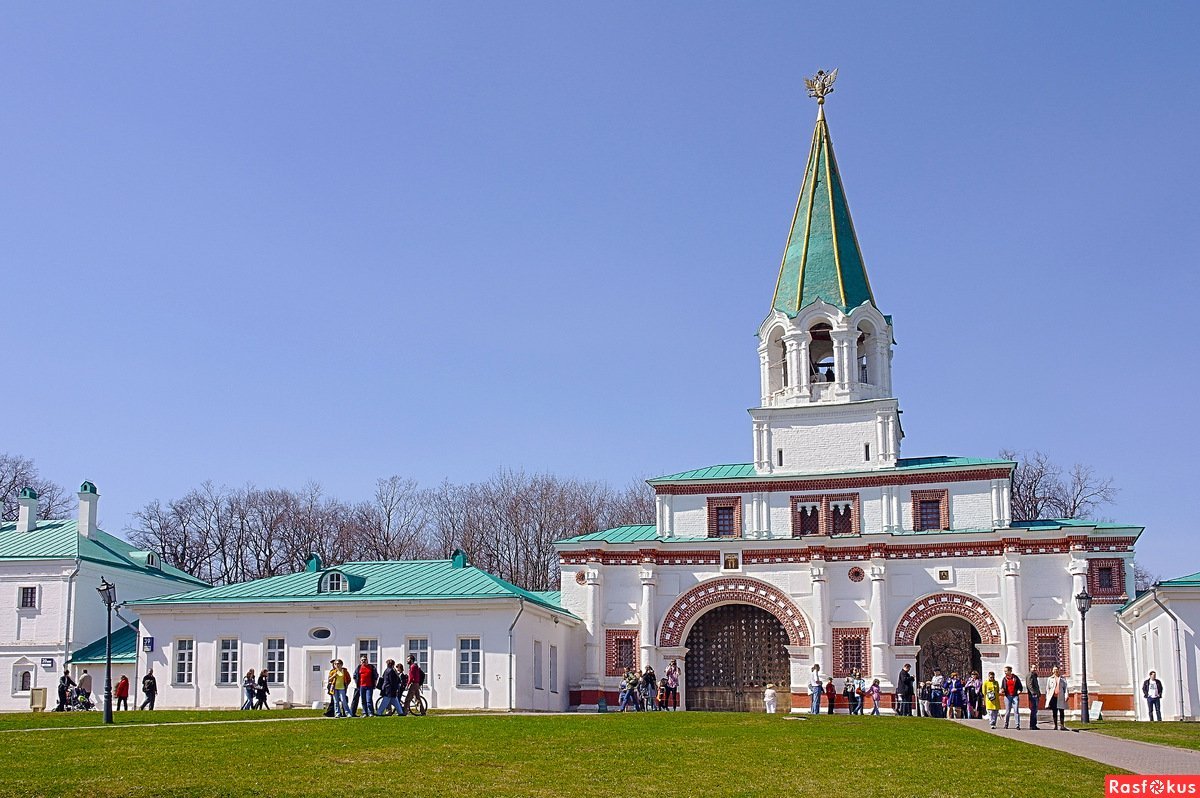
{"x":365,"y":677}
{"x":1010,"y":688}
{"x":121,"y":692}
{"x":416,"y":678}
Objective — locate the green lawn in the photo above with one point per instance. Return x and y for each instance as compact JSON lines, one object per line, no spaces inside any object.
{"x":653,"y":754}
{"x":1180,"y":735}
{"x":59,"y":720}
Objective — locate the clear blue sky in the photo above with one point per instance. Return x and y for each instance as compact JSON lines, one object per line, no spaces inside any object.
{"x":281,"y":242}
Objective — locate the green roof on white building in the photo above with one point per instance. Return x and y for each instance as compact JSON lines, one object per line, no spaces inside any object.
{"x":746,"y":470}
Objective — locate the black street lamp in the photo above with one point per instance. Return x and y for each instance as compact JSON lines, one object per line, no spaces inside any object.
{"x":1084,"y":602}
{"x":108,"y":594}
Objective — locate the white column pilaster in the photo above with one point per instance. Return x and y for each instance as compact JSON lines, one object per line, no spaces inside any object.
{"x":646,"y":616}
{"x":1014,"y":625}
{"x":879,"y":631}
{"x":764,"y":371}
{"x":1078,"y":570}
{"x":593,"y":666}
{"x":820,"y":603}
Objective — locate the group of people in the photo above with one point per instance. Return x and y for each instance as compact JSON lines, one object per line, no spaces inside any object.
{"x":255,"y":691}
{"x":951,"y":697}
{"x":398,"y":688}
{"x":72,"y":695}
{"x":643,"y":691}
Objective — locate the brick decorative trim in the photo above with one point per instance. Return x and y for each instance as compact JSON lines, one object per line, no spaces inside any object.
{"x":941,"y":496}
{"x":841,"y":668}
{"x":1107,"y":595}
{"x":733,"y":590}
{"x":1061,"y":638}
{"x":832,"y":483}
{"x":720,"y":502}
{"x":828,"y":550}
{"x":825,"y":514}
{"x":611,"y":636}
{"x":937,"y":604}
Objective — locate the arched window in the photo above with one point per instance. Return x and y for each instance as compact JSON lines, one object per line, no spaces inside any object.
{"x":778,"y":377}
{"x":26,"y":682}
{"x":820,"y":353}
{"x":334,"y":582}
{"x":867,"y":367}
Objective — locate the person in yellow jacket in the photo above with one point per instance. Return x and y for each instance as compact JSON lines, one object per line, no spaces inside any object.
{"x":991,"y":697}
{"x":339,"y":680}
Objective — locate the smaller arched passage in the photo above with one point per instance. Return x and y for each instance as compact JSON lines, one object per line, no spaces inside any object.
{"x":937,"y":604}
{"x":732,"y":590}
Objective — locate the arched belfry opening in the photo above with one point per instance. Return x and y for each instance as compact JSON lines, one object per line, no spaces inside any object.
{"x":778,"y":378}
{"x":820,"y":353}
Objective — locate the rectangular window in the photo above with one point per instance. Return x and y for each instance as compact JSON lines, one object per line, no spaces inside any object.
{"x":370,"y":647}
{"x":470,"y":662}
{"x":185,"y":661}
{"x":867,"y":452}
{"x":779,"y":458}
{"x":419,"y":648}
{"x":930,"y":514}
{"x":554,"y":669}
{"x":625,"y":654}
{"x":725,"y":525}
{"x":537,"y":665}
{"x":1047,"y":653}
{"x":1104,"y":577}
{"x":276,"y":663}
{"x":227,"y":661}
{"x":29,"y":598}
{"x":852,"y":654}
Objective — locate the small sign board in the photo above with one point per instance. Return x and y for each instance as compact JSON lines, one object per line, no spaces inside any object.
{"x":48,"y":663}
{"x":147,"y":643}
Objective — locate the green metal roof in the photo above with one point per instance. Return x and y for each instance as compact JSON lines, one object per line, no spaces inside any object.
{"x":124,"y":648}
{"x":822,"y":260}
{"x":746,"y":470}
{"x":550,"y":596}
{"x":389,"y":580}
{"x":630,"y":533}
{"x":1182,"y":581}
{"x":60,"y":540}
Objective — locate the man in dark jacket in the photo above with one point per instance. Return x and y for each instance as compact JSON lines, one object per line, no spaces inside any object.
{"x":1152,"y":692}
{"x":149,"y":689}
{"x":1035,"y":693}
{"x":904,"y":690}
{"x":391,"y":682}
{"x":65,"y":683}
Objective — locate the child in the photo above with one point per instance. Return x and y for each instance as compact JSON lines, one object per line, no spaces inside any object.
{"x":830,"y":695}
{"x":769,"y":699}
{"x":662,"y":693}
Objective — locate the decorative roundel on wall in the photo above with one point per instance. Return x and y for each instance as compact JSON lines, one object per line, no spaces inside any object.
{"x":856,"y":574}
{"x":581,"y":577}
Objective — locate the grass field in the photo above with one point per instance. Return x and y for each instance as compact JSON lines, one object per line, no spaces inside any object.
{"x":653,"y":754}
{"x":1174,"y":733}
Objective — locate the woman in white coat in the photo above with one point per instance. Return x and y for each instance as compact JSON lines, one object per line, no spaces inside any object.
{"x":1056,"y":699}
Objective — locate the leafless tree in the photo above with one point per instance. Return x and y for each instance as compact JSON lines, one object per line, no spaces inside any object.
{"x":1041,"y":490}
{"x":17,"y":472}
{"x":1143,"y":579}
{"x":949,"y":650}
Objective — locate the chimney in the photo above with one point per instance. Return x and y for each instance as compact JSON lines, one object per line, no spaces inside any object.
{"x":88,"y":499}
{"x":27,"y":515}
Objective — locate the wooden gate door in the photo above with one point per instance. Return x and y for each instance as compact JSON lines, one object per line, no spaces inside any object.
{"x":734,"y":651}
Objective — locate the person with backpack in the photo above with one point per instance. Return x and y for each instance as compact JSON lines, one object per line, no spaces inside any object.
{"x":391,"y":685}
{"x":149,"y":689}
{"x":416,"y":678}
{"x":1010,"y":688}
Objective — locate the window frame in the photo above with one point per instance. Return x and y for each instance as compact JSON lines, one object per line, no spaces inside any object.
{"x":423,"y":656}
{"x":469,"y":662}
{"x":277,"y":665}
{"x":21,"y":593}
{"x":234,"y":661}
{"x":715,"y":504}
{"x":176,"y":656}
{"x":372,"y":651}
{"x":942,"y":496}
{"x":327,"y":582}
{"x":539,"y":682}
{"x":553,"y":668}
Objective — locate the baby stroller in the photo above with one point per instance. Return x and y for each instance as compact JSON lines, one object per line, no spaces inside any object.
{"x":79,"y":701}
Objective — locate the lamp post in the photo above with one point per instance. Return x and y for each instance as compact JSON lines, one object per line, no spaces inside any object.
{"x":1084,"y":602}
{"x":108,"y":594}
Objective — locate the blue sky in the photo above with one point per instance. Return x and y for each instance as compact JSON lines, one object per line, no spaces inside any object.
{"x":281,"y":242}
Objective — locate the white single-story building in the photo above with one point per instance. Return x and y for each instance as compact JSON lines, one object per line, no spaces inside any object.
{"x":483,"y":643}
{"x":1163,"y":623}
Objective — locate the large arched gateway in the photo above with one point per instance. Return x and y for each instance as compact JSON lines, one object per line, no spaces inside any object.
{"x":734,"y":651}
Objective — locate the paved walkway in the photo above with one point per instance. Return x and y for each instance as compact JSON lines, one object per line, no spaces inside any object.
{"x":1136,"y":757}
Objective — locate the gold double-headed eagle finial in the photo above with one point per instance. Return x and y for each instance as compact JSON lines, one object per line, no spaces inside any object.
{"x":821,"y":84}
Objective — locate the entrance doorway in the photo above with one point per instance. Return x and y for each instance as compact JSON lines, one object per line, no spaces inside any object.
{"x":948,"y":643}
{"x":316,"y":667}
{"x":734,"y":651}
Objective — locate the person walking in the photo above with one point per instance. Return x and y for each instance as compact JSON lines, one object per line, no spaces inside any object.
{"x":339,"y":679}
{"x":65,"y":683}
{"x":875,"y":691}
{"x":830,"y":695}
{"x":1035,"y":696}
{"x":248,"y":685}
{"x":991,"y":697}
{"x":365,"y":678}
{"x":860,"y":693}
{"x":121,"y":692}
{"x":1152,"y":691}
{"x":904,"y":690}
{"x":85,"y":685}
{"x":389,"y":689}
{"x":1010,"y":688}
{"x":262,"y":689}
{"x":769,"y":699}
{"x":923,"y":695}
{"x":650,"y":688}
{"x":1056,"y":699}
{"x":955,"y":696}
{"x":149,"y":690}
{"x":973,"y":685}
{"x":815,"y":690}
{"x":416,"y":678}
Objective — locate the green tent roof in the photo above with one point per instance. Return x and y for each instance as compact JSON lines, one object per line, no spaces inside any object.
{"x":389,"y":580}
{"x":822,"y":260}
{"x":60,"y":540}
{"x":124,"y":648}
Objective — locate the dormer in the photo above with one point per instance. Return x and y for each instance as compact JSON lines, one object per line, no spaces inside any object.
{"x":334,"y":581}
{"x":147,"y":559}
